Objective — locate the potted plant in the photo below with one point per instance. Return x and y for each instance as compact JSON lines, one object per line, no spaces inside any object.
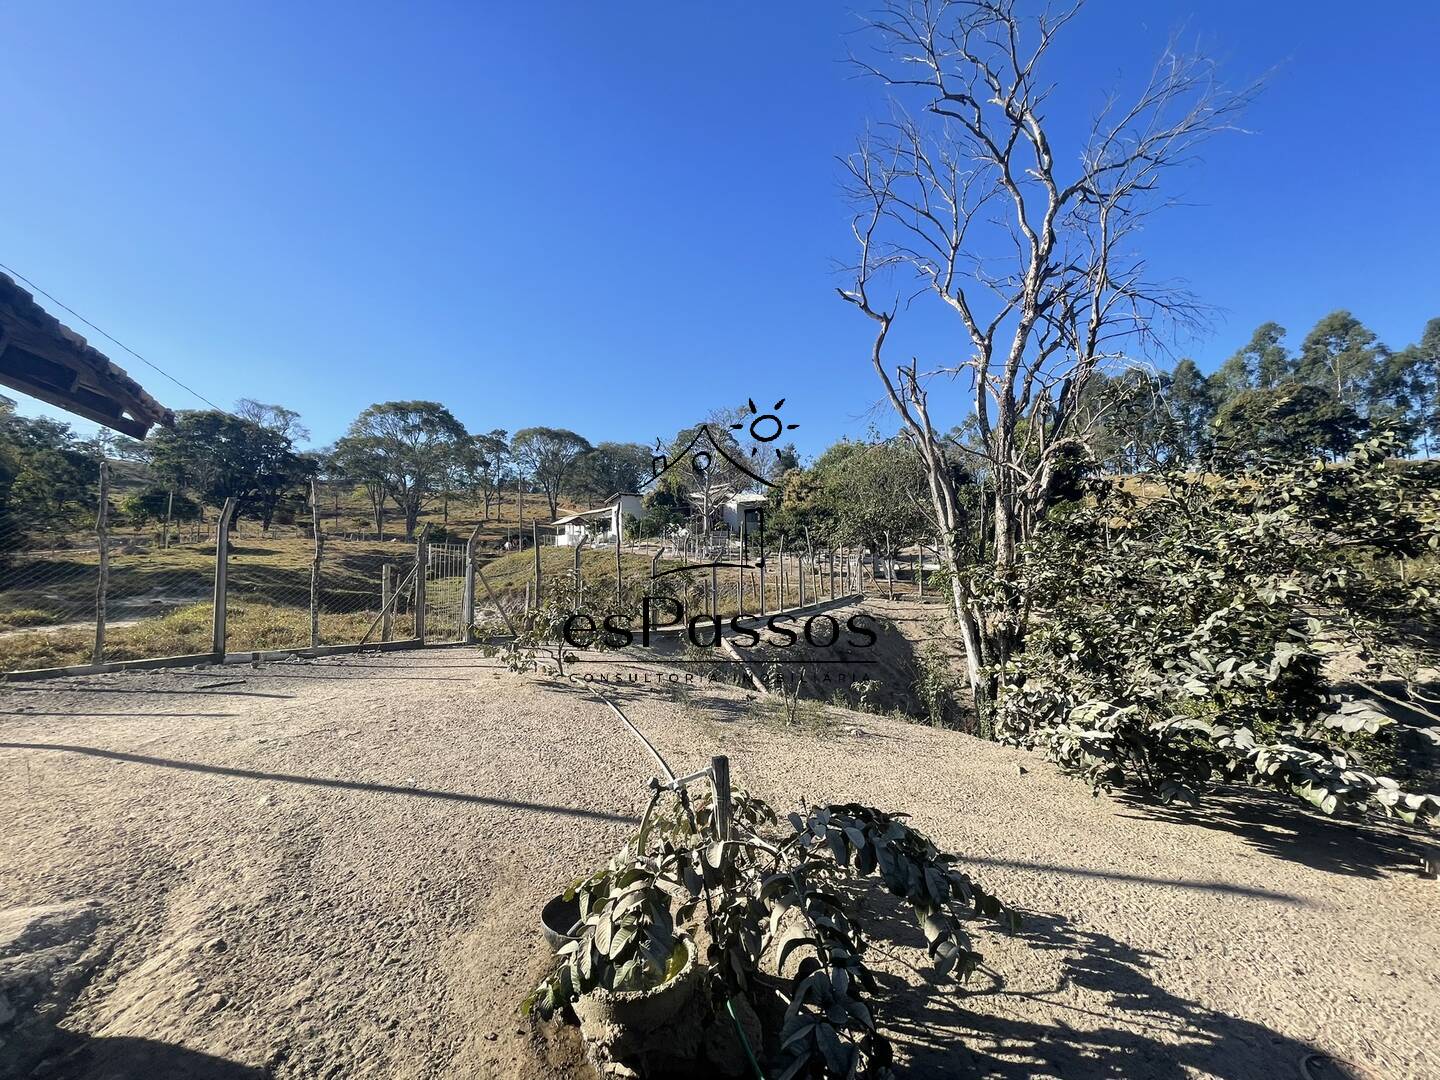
{"x":768,"y":905}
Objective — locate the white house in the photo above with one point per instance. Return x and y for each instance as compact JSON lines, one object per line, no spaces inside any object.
{"x":728,"y":513}
{"x":598,"y":524}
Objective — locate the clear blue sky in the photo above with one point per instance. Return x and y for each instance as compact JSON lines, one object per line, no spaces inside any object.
{"x":616,"y":217}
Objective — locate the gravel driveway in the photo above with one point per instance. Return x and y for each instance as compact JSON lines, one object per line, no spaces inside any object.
{"x":332,"y":868}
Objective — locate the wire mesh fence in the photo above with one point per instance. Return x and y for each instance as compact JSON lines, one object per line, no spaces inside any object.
{"x":84,"y":586}
{"x":155,"y":596}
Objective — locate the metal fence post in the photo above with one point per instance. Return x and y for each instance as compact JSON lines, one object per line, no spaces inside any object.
{"x":422,"y":568}
{"x":102,"y":582}
{"x":222,"y":560}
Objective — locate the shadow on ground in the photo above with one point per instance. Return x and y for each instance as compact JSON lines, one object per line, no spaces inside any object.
{"x":1285,"y":830}
{"x":325,"y":781}
{"x":988,"y":1029}
{"x":124,"y":1057}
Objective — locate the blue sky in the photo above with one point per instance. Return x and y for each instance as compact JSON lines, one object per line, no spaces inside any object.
{"x":615,"y":218}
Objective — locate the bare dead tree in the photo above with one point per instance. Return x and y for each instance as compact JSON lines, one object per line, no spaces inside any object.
{"x":1035,"y":259}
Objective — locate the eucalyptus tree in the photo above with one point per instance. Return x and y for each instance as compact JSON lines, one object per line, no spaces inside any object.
{"x":548,"y":456}
{"x":1028,"y":243}
{"x":402,"y":450}
{"x":1343,"y":355}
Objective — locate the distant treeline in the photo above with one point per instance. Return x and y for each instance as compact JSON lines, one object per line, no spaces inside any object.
{"x":413,"y":457}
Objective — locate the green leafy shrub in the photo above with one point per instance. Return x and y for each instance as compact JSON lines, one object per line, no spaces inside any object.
{"x":769,"y":891}
{"x":1180,"y":630}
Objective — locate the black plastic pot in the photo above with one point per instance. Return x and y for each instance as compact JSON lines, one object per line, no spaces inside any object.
{"x":557,"y":919}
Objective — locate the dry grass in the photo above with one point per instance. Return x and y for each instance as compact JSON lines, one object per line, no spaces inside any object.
{"x":183,"y":632}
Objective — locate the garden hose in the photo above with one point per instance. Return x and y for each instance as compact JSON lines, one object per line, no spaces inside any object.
{"x":745,"y":1042}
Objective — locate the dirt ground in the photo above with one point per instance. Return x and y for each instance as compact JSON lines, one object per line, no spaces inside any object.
{"x":332,"y":868}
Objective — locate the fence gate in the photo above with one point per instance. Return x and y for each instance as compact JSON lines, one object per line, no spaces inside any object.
{"x":444,"y":591}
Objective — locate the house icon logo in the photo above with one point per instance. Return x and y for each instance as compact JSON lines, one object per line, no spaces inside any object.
{"x":764,"y":428}
{"x":698,"y":462}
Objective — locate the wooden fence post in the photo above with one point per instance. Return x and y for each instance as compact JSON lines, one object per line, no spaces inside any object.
{"x":422,"y":568}
{"x":315,"y":568}
{"x":102,"y":581}
{"x":222,"y":561}
{"x":579,"y":581}
{"x":784,"y":595}
{"x":762,"y":571}
{"x":535,"y":530}
{"x":740,"y":573}
{"x":169,"y":510}
{"x":889,"y":565}
{"x":619,"y":571}
{"x":467,"y":596}
{"x":720,"y":771}
{"x":387,"y":624}
{"x":810,"y":554}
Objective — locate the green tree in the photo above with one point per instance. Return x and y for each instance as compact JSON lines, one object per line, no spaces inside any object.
{"x":49,"y":478}
{"x":608,"y":468}
{"x":495,"y":466}
{"x":1186,"y":630}
{"x":1131,"y":428}
{"x":1342,"y":355}
{"x":1266,"y":359}
{"x":403,"y":450}
{"x":1408,"y":389}
{"x":548,"y":455}
{"x":152,"y":504}
{"x":1192,"y":402}
{"x":665,"y":509}
{"x":219,"y":456}
{"x":1290,"y":421}
{"x":276,"y":418}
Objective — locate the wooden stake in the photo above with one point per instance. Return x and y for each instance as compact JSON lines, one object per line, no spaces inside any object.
{"x":222,"y":561}
{"x":889,"y":566}
{"x":387,"y":625}
{"x":720,"y":770}
{"x":102,"y":583}
{"x":315,"y":568}
{"x":422,"y":570}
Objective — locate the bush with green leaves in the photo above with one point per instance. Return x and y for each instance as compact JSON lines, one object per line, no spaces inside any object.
{"x":769,"y":892}
{"x":1180,"y":629}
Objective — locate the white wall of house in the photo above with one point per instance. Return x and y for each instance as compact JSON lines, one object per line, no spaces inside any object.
{"x":599,"y":524}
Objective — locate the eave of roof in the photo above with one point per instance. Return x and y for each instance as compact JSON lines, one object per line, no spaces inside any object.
{"x":45,"y":359}
{"x":601,"y":511}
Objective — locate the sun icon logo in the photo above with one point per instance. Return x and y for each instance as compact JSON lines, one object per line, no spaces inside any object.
{"x":765,"y":427}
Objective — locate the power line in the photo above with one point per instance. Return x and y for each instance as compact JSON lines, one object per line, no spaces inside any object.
{"x":102,"y":333}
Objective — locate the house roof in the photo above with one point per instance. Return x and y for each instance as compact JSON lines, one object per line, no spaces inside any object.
{"x":613,"y":499}
{"x":47,"y":360}
{"x":606,"y":512}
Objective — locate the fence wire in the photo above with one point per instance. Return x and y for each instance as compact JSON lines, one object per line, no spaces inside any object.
{"x":160,"y":582}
